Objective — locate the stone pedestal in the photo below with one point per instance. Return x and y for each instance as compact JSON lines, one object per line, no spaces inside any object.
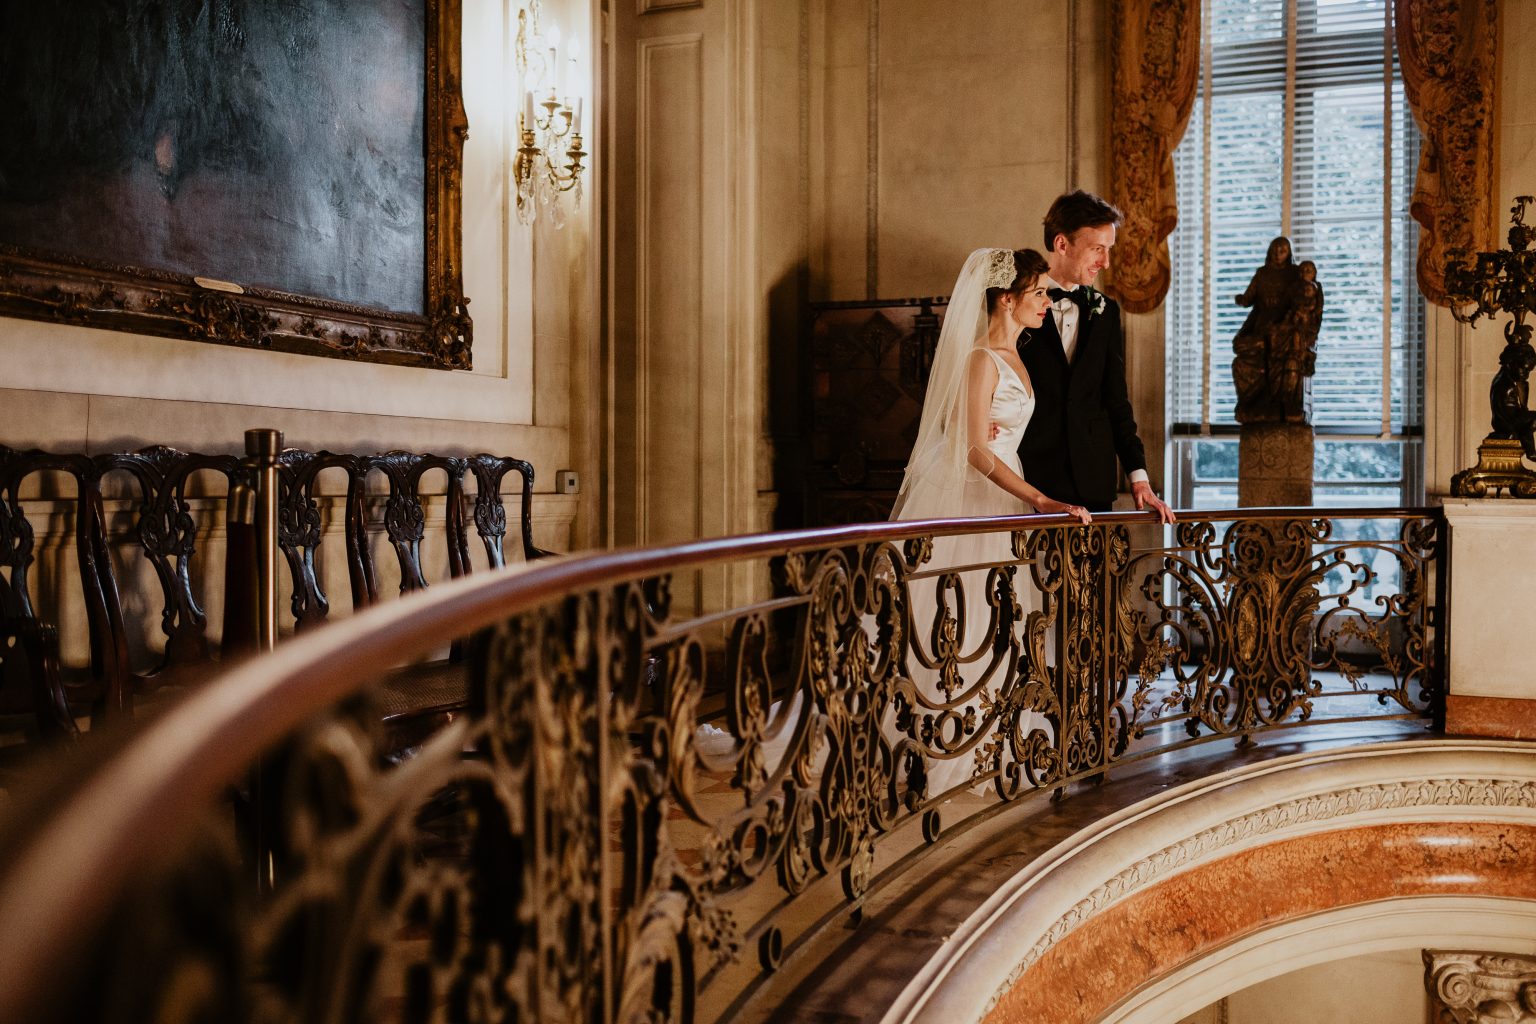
{"x":1274,"y":464}
{"x":1491,"y":678}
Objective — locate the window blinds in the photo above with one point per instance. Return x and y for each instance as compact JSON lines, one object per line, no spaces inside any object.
{"x":1300,"y":128}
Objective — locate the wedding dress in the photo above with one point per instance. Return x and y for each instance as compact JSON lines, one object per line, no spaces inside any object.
{"x":930,"y":497}
{"x":940,"y":483}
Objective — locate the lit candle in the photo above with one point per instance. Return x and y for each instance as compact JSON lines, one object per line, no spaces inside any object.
{"x":528,"y":111}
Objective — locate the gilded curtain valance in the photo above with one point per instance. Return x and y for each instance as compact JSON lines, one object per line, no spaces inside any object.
{"x":1449,"y":55}
{"x":1155,"y":65}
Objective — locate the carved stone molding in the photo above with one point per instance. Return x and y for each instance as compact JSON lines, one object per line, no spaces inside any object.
{"x":1155,"y":47}
{"x":1449,"y":55}
{"x":1469,"y":987}
{"x":1321,"y":807}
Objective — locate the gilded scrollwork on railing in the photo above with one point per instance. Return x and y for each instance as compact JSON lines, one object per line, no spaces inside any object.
{"x":1246,"y":601}
{"x":1383,"y":640}
{"x":1091,"y":634}
{"x":1249,"y":621}
{"x":636,"y":797}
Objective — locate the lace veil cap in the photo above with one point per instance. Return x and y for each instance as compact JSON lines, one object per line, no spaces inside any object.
{"x":1002,"y":268}
{"x":939,"y":469}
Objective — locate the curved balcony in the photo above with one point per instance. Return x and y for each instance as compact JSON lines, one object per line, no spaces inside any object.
{"x":879,"y":789}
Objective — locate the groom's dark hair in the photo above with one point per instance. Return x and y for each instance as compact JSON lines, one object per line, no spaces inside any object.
{"x":1074,"y":210}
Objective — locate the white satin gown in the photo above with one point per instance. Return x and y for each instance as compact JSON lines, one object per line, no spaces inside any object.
{"x":1012,"y":405}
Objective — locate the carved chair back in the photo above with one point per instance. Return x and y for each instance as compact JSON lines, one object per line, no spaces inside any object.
{"x":166,"y":541}
{"x":404,"y":520}
{"x":144,"y":558}
{"x":29,"y":653}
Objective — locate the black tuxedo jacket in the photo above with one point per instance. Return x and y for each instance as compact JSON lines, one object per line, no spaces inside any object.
{"x":1083,"y":418}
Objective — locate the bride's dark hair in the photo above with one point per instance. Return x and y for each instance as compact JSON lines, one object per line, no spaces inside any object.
{"x":1028,"y":266}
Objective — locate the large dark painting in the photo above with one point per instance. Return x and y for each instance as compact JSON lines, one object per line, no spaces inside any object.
{"x":271,"y":173}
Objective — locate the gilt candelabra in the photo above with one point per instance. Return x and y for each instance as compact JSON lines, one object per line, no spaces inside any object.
{"x":549,"y":154}
{"x":1483,"y":285}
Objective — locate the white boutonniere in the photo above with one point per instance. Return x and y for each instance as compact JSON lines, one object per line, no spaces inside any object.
{"x":1095,"y":304}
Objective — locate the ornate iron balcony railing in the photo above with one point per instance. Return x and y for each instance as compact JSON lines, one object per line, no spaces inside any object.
{"x":643,"y":810}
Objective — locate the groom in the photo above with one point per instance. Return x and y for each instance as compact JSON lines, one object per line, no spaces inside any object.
{"x":1076,"y":362}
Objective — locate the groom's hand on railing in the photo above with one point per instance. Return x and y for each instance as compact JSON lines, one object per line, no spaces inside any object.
{"x":1147,"y":498}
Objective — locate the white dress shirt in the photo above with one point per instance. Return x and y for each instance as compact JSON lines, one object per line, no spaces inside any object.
{"x":1068,"y":316}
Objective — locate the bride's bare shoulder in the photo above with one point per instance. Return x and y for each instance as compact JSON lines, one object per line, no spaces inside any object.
{"x":982,"y":370}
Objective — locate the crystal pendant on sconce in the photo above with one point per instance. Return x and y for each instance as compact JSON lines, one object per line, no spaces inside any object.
{"x":549,"y":160}
{"x":527,"y":211}
{"x":556,"y":208}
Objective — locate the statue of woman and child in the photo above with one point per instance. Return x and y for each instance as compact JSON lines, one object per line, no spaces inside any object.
{"x":1275,"y":351}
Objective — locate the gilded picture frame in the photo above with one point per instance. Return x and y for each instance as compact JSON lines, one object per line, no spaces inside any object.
{"x":284,"y":177}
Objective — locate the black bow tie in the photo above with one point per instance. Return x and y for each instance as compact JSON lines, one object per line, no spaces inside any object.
{"x":1078,"y":295}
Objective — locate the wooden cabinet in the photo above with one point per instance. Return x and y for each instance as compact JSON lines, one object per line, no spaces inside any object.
{"x":868,"y":369}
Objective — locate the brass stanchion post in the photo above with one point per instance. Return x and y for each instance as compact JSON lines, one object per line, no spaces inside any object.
{"x":262,"y":447}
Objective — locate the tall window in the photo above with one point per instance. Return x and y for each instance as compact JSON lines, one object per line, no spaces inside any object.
{"x":1300,"y":129}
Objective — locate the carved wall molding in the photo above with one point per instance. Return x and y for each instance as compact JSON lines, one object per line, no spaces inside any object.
{"x":662,"y":6}
{"x":1468,"y":987}
{"x":1155,"y":65}
{"x":1442,"y":793}
{"x":687,"y":362}
{"x":1448,"y":50}
{"x":670,"y":363}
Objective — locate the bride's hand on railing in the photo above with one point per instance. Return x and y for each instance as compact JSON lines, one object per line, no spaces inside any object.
{"x":1050,"y":506}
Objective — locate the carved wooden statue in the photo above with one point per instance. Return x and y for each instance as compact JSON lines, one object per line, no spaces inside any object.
{"x":1275,"y":351}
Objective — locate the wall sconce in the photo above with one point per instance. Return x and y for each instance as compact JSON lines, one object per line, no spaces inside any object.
{"x":549,"y":153}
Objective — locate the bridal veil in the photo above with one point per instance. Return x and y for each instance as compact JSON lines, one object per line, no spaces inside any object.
{"x":939,"y":468}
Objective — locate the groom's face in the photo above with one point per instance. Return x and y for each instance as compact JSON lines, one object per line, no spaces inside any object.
{"x":1084,"y":254}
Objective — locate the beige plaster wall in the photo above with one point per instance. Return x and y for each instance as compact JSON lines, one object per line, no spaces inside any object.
{"x":968,"y":141}
{"x":787,"y":76}
{"x":532,"y":298}
{"x":938,"y":128}
{"x":1376,"y":988}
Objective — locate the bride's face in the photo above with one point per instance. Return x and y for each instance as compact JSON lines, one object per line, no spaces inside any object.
{"x":1029,"y":308}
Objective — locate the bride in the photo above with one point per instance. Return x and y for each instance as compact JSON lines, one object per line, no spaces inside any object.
{"x":962,"y":466}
